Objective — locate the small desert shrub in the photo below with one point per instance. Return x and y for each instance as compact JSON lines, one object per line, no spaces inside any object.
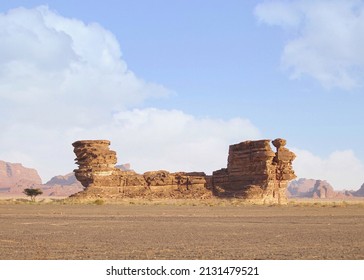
{"x":99,"y":202}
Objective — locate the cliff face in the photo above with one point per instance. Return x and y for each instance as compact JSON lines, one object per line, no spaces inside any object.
{"x":253,"y":172}
{"x":15,"y":175}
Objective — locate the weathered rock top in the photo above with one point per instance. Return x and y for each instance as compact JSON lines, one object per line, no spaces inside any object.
{"x":279,"y":142}
{"x":90,"y":142}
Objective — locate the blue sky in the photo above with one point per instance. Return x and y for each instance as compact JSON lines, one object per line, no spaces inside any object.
{"x":173,"y":83}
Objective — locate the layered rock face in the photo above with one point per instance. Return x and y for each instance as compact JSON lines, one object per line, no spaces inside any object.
{"x":253,"y":172}
{"x":96,"y":163}
{"x":102,"y":179}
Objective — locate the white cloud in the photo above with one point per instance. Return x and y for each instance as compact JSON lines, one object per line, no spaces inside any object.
{"x":328,"y":39}
{"x":48,"y":61}
{"x":62,"y":80}
{"x":342,"y":169}
{"x":278,"y":13}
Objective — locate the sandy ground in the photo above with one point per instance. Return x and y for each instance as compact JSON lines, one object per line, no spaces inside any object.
{"x":55,"y":231}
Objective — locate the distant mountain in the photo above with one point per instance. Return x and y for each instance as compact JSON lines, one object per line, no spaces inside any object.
{"x":64,"y":180}
{"x":323,"y":189}
{"x":16,"y":177}
{"x":62,"y":185}
{"x":359,"y":192}
{"x":300,"y":188}
{"x":311,"y":188}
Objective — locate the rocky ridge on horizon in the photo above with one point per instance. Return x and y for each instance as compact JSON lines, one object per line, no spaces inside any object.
{"x":65,"y":185}
{"x":312,"y":188}
{"x":14,"y":177}
{"x":359,"y":192}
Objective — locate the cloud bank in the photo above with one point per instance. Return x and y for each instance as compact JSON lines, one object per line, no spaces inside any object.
{"x":327,"y":39}
{"x":63,"y":80}
{"x":51,"y":62}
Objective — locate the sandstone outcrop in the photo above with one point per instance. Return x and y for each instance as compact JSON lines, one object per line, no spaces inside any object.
{"x":254,"y":172}
{"x":102,"y":179}
{"x":96,"y":163}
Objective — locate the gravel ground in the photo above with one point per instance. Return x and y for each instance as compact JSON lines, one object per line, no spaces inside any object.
{"x":52,"y":231}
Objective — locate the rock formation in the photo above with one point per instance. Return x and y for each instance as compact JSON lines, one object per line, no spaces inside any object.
{"x":253,"y":172}
{"x":98,"y":174}
{"x":15,"y":176}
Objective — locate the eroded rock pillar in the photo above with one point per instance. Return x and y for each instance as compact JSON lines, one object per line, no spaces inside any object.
{"x":96,"y":162}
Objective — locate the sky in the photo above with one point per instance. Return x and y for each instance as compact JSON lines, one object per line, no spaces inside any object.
{"x":173,"y":83}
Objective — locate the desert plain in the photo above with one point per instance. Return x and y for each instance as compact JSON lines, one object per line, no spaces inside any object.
{"x":181,"y":230}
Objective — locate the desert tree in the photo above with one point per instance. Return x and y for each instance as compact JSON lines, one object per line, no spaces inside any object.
{"x":32,"y":193}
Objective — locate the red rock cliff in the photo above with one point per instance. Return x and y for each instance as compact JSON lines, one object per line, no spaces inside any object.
{"x":15,"y":175}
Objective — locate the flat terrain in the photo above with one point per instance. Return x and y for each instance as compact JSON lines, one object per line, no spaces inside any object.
{"x":80,"y":231}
